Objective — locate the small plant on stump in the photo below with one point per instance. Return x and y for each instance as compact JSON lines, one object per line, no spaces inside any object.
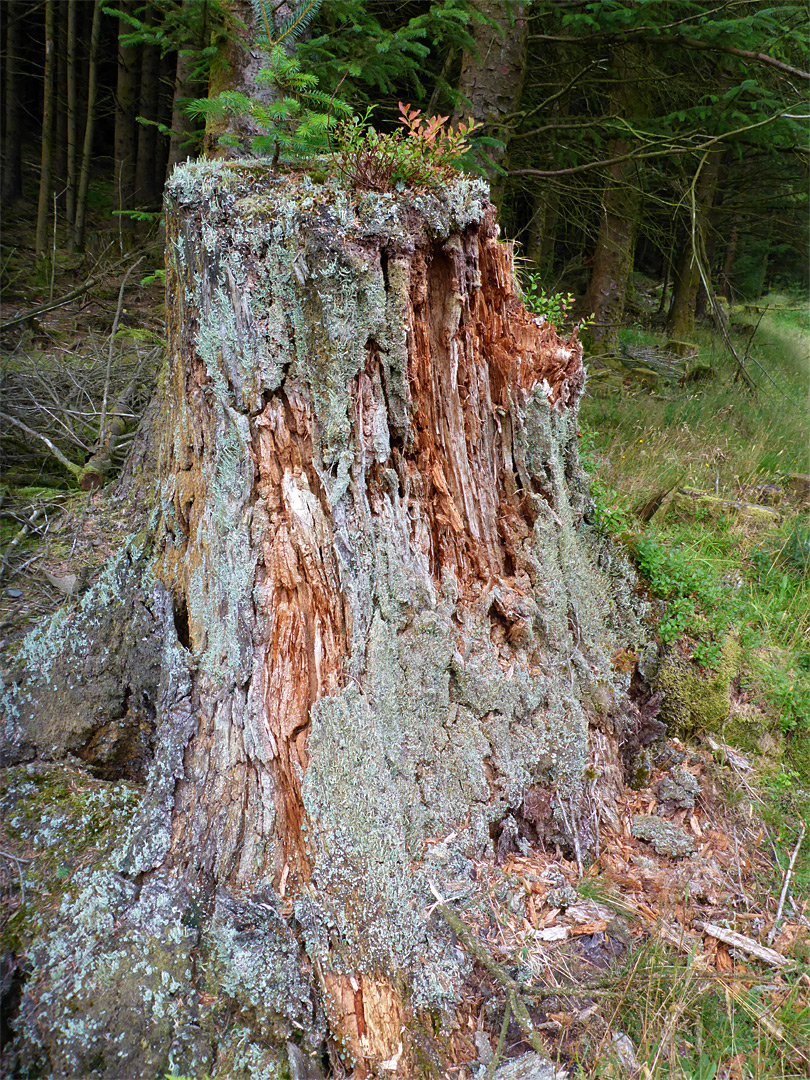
{"x":425,"y":154}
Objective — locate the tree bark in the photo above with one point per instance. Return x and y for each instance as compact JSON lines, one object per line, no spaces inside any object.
{"x":492,"y":76}
{"x":370,"y":611}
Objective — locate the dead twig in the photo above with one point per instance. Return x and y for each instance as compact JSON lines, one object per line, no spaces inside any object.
{"x":57,"y":453}
{"x":785,"y":884}
{"x":103,"y":422}
{"x":496,"y":1057}
{"x":18,"y":538}
{"x":746,"y":944}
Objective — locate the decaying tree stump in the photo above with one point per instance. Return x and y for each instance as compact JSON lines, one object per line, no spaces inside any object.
{"x":369,"y":610}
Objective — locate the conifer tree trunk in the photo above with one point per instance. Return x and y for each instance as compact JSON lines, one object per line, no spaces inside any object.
{"x":686,"y":272}
{"x":126,"y":99}
{"x":540,"y":234}
{"x":370,"y":611}
{"x":89,"y":127}
{"x":186,"y":88}
{"x":237,"y":68}
{"x":46,"y":154}
{"x":12,"y":142}
{"x":72,"y":112}
{"x":59,"y":167}
{"x":145,"y":191}
{"x":615,"y":242}
{"x":492,"y":75}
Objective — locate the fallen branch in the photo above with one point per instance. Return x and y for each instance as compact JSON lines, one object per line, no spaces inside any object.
{"x":747,"y":944}
{"x":788,"y":874}
{"x":514,"y":989}
{"x":496,"y":1057}
{"x":18,"y":537}
{"x":52,"y":305}
{"x":93,"y":473}
{"x":76,"y":470}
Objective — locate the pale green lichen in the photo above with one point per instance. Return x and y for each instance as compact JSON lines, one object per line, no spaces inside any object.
{"x":666,"y":838}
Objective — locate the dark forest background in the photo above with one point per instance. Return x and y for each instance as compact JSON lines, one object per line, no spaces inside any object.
{"x":617,"y":136}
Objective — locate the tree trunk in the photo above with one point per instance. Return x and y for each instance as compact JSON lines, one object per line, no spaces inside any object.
{"x":730,"y":254}
{"x":492,"y":75}
{"x":60,"y":154}
{"x":541,"y":230}
{"x":186,"y":88}
{"x":72,"y":113}
{"x":168,"y":66}
{"x":237,"y":68}
{"x":44,"y":204}
{"x":12,"y":142}
{"x":613,"y":256}
{"x":145,"y":190}
{"x":371,"y":612}
{"x":125,"y":109}
{"x":686,"y":275}
{"x":87,"y":147}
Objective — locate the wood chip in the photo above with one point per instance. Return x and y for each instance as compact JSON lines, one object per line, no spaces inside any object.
{"x":552,"y":933}
{"x":589,"y":928}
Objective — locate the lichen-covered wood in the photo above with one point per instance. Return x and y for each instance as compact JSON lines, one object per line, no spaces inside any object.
{"x":379,"y":616}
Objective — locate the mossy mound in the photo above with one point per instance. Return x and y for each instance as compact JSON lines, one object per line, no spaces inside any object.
{"x":697,"y":698}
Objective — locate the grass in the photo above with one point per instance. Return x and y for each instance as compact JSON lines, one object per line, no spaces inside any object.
{"x":720,"y":574}
{"x":687,"y":1023}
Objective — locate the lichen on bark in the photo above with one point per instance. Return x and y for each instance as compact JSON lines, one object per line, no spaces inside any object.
{"x":383,"y":614}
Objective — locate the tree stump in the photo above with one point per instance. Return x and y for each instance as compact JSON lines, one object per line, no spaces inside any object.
{"x":372,"y":611}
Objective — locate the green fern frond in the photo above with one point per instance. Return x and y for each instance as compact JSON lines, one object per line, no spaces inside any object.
{"x":298,"y":21}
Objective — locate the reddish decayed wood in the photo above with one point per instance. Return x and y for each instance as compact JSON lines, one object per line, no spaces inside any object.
{"x":366,"y":1017}
{"x":474,"y":353}
{"x":299,"y":588}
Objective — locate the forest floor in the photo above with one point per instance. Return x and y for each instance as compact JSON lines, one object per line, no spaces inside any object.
{"x":693,"y":966}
